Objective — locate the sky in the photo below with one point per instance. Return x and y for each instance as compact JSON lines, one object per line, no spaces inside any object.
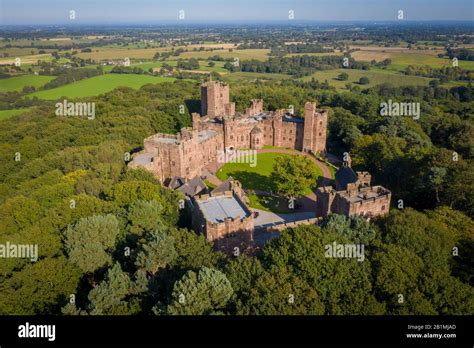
{"x":162,"y":11}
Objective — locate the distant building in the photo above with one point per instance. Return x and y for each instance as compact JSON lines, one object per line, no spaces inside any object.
{"x":220,"y":129}
{"x":352,"y":195}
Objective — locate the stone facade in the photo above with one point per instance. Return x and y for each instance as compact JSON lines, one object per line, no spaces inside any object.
{"x":219,"y":128}
{"x":353,"y":195}
{"x":224,"y":218}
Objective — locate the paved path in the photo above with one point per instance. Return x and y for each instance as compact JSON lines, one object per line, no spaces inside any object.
{"x":267,"y":218}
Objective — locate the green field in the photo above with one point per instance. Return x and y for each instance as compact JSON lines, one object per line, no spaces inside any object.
{"x":4,"y":114}
{"x":258,"y":177}
{"x":18,"y":82}
{"x":99,"y":85}
{"x":251,"y":76}
{"x":401,"y":60}
{"x":258,"y":54}
{"x":376,"y":77}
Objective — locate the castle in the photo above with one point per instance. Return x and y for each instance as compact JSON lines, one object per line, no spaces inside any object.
{"x":220,"y":128}
{"x":222,"y":215}
{"x":352,"y":195}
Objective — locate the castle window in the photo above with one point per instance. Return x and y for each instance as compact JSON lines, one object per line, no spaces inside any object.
{"x":187,"y":170}
{"x":320,"y":123}
{"x":271,"y":136}
{"x":291,"y":131}
{"x":247,"y":137}
{"x":242,"y":138}
{"x":284,"y":131}
{"x":290,"y":139}
{"x":231,"y":137}
{"x":284,"y":138}
{"x":264,"y":136}
{"x":320,"y":134}
{"x":383,"y":207}
{"x":173,"y":163}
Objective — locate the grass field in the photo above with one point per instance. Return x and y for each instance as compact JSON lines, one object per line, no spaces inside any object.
{"x":120,"y":53}
{"x":18,"y":82}
{"x":4,"y":114}
{"x":278,"y":205}
{"x":258,"y":177}
{"x":376,"y":77}
{"x":258,"y":54}
{"x":27,"y":59}
{"x":99,"y":85}
{"x":401,"y":60}
{"x":251,"y":76}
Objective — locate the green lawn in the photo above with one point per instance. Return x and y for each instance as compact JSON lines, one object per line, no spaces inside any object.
{"x":276,"y":205}
{"x":4,"y":114}
{"x":99,"y":85}
{"x":18,"y":82}
{"x":258,"y":177}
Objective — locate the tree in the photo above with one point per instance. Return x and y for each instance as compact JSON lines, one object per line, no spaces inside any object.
{"x":343,"y":76}
{"x":364,"y":80}
{"x":157,"y":252}
{"x":108,"y":296}
{"x":292,"y":175}
{"x":355,"y":228}
{"x":39,"y":288}
{"x":145,"y":216}
{"x":89,"y":241}
{"x":436,"y":177}
{"x":205,"y":292}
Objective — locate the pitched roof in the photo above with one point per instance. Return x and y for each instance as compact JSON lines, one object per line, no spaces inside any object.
{"x":193,"y":187}
{"x":176,"y":182}
{"x":344,"y":176}
{"x":225,"y":186}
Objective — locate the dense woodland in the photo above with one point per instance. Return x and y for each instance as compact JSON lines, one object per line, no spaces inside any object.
{"x":114,"y":238}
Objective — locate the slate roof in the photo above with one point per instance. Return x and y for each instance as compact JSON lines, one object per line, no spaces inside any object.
{"x":225,"y":186}
{"x":344,"y":176}
{"x":193,"y":187}
{"x":216,"y":209}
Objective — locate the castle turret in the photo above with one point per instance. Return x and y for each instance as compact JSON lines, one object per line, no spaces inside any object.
{"x":215,"y":99}
{"x":315,"y":128}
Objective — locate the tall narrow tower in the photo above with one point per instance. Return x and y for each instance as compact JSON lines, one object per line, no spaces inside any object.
{"x":215,"y":99}
{"x":315,"y":128}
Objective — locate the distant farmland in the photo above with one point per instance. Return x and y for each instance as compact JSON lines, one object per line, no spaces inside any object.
{"x":18,"y":82}
{"x":99,"y":85}
{"x":375,"y":76}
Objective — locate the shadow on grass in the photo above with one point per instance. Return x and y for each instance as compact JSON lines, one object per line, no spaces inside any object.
{"x":253,"y":181}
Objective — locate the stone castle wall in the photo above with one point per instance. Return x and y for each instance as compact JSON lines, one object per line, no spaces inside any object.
{"x":218,"y":129}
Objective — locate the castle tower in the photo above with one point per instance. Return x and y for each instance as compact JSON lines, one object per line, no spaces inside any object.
{"x":277,"y":127}
{"x":215,"y":99}
{"x":315,"y":129}
{"x":196,"y":121}
{"x":255,"y":108}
